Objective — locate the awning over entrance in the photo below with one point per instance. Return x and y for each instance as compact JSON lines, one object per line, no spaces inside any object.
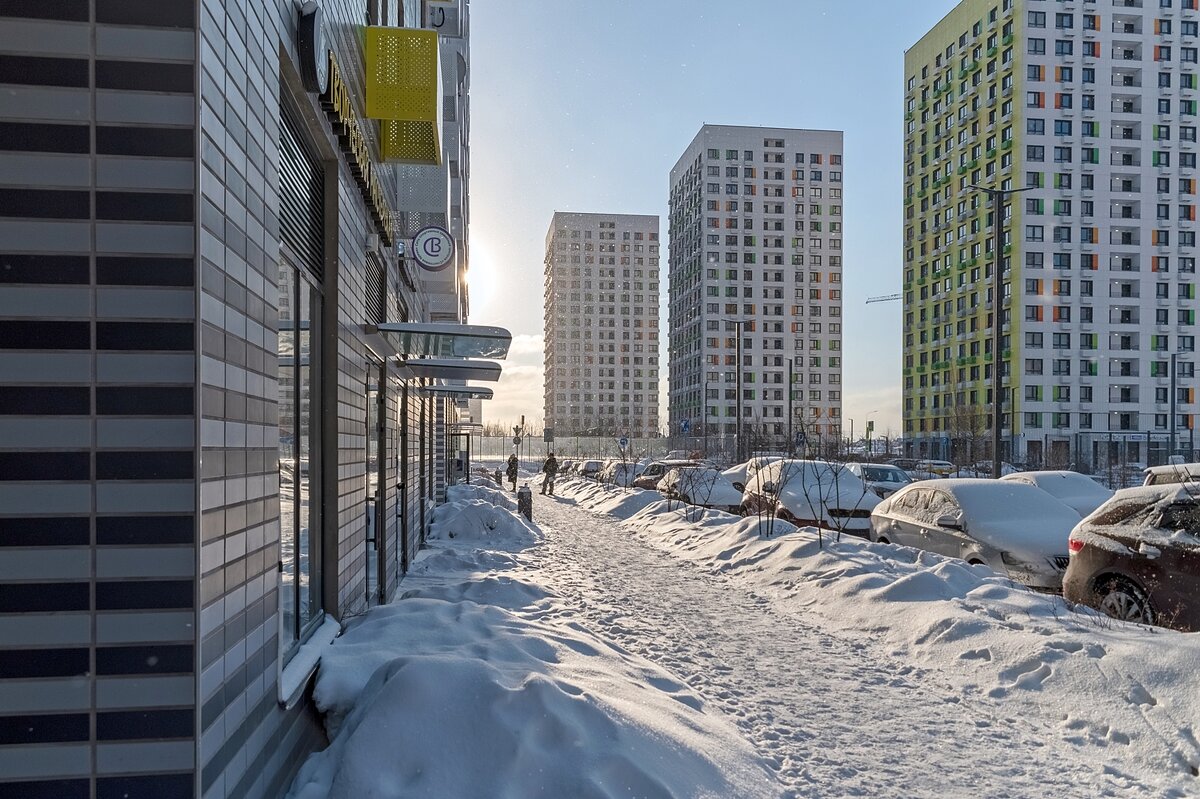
{"x":442,"y":340}
{"x":459,"y":392}
{"x":450,"y":369}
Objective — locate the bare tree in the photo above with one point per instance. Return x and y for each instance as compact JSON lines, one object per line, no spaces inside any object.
{"x":967,"y":425}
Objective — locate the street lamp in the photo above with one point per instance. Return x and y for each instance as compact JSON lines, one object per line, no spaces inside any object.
{"x":791,"y":413}
{"x":738,"y":324}
{"x":998,"y":198}
{"x":870,"y":429}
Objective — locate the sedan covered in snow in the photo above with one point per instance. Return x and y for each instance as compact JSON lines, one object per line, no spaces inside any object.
{"x":882,"y":478}
{"x":1138,"y":557}
{"x":1070,"y":488}
{"x":655,"y":470}
{"x":811,"y":492}
{"x":1014,"y":528}
{"x":621,"y":473}
{"x":701,"y":485}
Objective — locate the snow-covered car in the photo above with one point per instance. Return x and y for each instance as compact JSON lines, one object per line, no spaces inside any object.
{"x":985,"y":469}
{"x":701,"y":485}
{"x":620,"y":473}
{"x":1073,"y":489}
{"x":811,"y":492}
{"x":1172,"y":473}
{"x":932,"y":470}
{"x":882,"y":478}
{"x":655,"y":470}
{"x":744,"y":474}
{"x":1137,"y":557}
{"x":590,"y":468}
{"x":1015,"y":528}
{"x":565,"y":467}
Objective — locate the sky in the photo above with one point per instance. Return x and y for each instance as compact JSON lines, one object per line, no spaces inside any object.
{"x":585,"y":106}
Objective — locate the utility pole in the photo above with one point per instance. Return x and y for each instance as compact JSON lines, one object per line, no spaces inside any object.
{"x":737,"y":327}
{"x":998,"y":198}
{"x":791,"y":413}
{"x":1173,"y":449}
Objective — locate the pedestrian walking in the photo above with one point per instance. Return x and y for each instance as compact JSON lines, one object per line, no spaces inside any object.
{"x":550,"y":467}
{"x":511,"y":471}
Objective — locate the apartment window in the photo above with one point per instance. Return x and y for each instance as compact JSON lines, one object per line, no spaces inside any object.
{"x":1037,"y":46}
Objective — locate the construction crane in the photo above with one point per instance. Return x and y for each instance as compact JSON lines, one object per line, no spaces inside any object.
{"x":884,"y":298}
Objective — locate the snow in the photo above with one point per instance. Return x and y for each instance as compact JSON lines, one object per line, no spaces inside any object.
{"x":623,"y":646}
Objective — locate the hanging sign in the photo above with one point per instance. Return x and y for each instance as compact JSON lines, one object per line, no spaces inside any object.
{"x":433,"y":247}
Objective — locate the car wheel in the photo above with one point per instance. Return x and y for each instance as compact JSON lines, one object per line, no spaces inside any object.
{"x":743,"y":510}
{"x":882,"y":540}
{"x":1122,"y":598}
{"x":685,"y":499}
{"x":976,"y":562}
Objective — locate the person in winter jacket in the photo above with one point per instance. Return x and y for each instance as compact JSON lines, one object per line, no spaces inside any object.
{"x":511,"y":471}
{"x":550,"y":467}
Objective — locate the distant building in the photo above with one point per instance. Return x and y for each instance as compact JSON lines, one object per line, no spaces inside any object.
{"x":601,"y":324}
{"x":1093,"y":109}
{"x":756,"y":247}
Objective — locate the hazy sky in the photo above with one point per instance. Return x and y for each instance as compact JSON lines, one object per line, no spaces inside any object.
{"x":584,"y":106}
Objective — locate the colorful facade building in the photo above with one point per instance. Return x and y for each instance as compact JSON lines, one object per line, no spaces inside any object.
{"x":1086,"y":112}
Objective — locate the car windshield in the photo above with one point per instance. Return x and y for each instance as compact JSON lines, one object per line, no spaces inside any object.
{"x":885,"y":474}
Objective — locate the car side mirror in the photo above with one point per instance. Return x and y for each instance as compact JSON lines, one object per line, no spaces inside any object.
{"x":769,"y":487}
{"x":739,"y":486}
{"x":951,"y":521}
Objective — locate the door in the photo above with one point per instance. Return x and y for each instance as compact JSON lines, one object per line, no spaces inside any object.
{"x":376,"y":566}
{"x":943,"y":540}
{"x":906,"y":515}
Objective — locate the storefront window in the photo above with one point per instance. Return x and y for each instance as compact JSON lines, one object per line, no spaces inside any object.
{"x":299,"y":494}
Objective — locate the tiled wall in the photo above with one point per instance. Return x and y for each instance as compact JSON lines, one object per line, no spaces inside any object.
{"x":97,"y":399}
{"x":139,"y":532}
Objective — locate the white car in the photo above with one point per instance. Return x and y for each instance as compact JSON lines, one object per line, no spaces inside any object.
{"x":882,"y":478}
{"x":1073,"y":489}
{"x":1172,"y":473}
{"x":744,"y":474}
{"x":701,"y":485}
{"x":1015,"y":528}
{"x":590,"y":468}
{"x":932,"y":470}
{"x":621,"y":473}
{"x":812,"y":492}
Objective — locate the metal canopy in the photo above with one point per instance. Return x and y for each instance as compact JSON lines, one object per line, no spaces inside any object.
{"x":459,"y":392}
{"x":450,"y":369}
{"x":444,"y":340}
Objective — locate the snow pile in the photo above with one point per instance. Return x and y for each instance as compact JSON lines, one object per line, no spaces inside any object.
{"x":481,"y":685}
{"x":605,"y":498}
{"x":1090,"y":679}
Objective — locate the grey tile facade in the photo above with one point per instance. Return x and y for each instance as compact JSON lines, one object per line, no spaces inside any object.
{"x":140,"y":475}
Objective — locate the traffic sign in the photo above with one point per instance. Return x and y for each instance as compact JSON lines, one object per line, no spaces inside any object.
{"x":623,"y":442}
{"x":516,"y":441}
{"x":548,"y":435}
{"x":433,"y":247}
{"x":685,"y":426}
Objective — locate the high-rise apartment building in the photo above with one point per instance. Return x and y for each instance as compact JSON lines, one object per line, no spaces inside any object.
{"x":756,"y":284}
{"x":1091,"y":109}
{"x":601,"y":324}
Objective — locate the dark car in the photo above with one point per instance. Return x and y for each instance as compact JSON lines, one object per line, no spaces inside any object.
{"x":1137,"y":557}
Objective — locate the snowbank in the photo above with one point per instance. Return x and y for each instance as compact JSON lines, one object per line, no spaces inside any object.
{"x":481,"y":685}
{"x":1091,"y":679}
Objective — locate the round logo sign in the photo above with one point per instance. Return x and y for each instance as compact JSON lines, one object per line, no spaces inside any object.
{"x":433,"y":248}
{"x":314,"y":52}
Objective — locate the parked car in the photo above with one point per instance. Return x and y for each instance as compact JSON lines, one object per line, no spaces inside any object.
{"x":907,"y":464}
{"x":811,"y":492}
{"x":744,"y":474}
{"x":1015,"y":528}
{"x":655,"y":470}
{"x":1172,"y":473}
{"x":984,"y":469}
{"x":701,"y":485}
{"x":565,"y":467}
{"x":620,"y":473}
{"x":882,"y":478}
{"x":1073,"y":489}
{"x":932,"y":470}
{"x":1137,"y":557}
{"x":590,"y":468}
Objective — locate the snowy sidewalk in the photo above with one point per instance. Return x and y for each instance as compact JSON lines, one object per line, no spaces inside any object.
{"x":619,"y":647}
{"x":835,"y":713}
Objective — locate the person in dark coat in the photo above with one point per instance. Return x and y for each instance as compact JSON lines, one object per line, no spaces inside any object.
{"x":550,"y":467}
{"x":511,"y":471}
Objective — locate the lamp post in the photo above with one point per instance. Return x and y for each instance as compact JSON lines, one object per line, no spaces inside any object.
{"x":737,"y":326}
{"x":870,"y":429}
{"x":791,"y":392}
{"x":998,"y":198}
{"x":1172,"y":450}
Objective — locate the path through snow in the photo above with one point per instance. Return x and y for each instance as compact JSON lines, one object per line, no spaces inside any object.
{"x":833,"y":712}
